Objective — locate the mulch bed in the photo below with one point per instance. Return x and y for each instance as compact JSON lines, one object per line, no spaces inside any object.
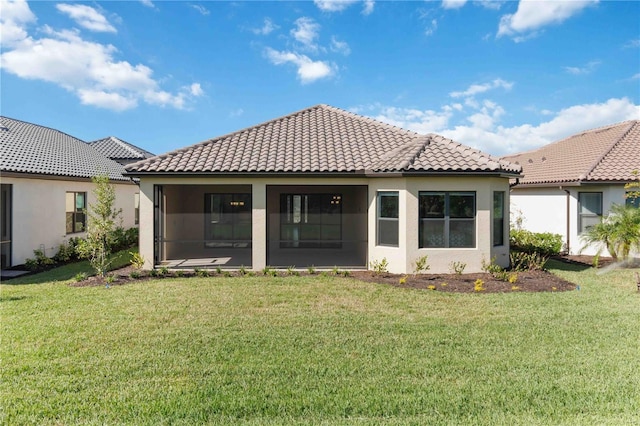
{"x":529,"y":281}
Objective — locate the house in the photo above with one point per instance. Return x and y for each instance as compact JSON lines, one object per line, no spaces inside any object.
{"x":324,"y":187}
{"x":46,"y":187}
{"x":570,"y":184}
{"x":119,"y":150}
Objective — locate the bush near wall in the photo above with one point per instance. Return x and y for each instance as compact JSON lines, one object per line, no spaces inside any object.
{"x":120,"y":239}
{"x":543,"y":243}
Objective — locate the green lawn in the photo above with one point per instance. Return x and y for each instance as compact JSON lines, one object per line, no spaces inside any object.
{"x":319,"y":350}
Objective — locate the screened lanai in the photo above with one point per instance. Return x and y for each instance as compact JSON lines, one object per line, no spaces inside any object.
{"x":211,"y":226}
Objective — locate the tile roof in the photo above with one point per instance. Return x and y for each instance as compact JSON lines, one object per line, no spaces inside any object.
{"x":117,"y":149}
{"x":30,"y":148}
{"x":324,"y":139}
{"x":605,"y":154}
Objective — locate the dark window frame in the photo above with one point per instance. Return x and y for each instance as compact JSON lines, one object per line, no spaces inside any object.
{"x":385,"y":215}
{"x":136,"y":208}
{"x":582,"y":227}
{"x":444,"y":216}
{"x":76,"y":220}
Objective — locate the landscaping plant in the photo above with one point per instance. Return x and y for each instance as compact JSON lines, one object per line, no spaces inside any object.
{"x":102,"y":218}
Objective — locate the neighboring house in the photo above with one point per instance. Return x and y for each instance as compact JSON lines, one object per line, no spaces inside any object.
{"x":46,"y":188}
{"x":570,"y":184}
{"x":119,"y":150}
{"x":324,"y":187}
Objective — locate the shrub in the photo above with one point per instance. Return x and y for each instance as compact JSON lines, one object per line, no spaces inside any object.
{"x":478,"y":285}
{"x":40,"y":261}
{"x":457,"y":267}
{"x":67,"y":251}
{"x":379,"y":267}
{"x":521,"y":261}
{"x":110,"y":278}
{"x":311,"y":270}
{"x":80,"y":276}
{"x":544,"y":243}
{"x":135,"y":274}
{"x":420,"y":265}
{"x":203,"y":273}
{"x":137,"y":260}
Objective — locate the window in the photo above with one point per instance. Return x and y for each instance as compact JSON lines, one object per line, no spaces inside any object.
{"x":388,"y":209}
{"x":227,"y":220}
{"x":589,"y":210}
{"x":631,"y":200}
{"x":498,"y":218}
{"x":136,"y":208}
{"x":447,"y":219}
{"x":76,"y":204}
{"x":311,"y":220}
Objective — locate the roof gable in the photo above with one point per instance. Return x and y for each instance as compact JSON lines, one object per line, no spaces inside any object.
{"x":322,"y":139}
{"x":115,"y":148}
{"x":609,"y":153}
{"x":34,"y":149}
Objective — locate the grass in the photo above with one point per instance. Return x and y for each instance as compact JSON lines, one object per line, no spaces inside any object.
{"x":69,"y":271}
{"x":320,"y":350}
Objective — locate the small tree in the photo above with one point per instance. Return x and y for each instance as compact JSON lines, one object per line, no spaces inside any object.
{"x":102,"y":218}
{"x":618,"y":232}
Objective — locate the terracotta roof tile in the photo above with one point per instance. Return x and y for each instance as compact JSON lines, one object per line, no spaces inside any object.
{"x":609,"y":153}
{"x":323,"y":139}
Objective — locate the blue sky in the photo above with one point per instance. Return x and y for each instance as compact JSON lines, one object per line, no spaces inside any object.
{"x":501,"y":76}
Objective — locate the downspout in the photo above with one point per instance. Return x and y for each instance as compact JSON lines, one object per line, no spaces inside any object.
{"x":568,"y":219}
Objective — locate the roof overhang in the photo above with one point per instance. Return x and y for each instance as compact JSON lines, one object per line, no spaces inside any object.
{"x":326,"y":174}
{"x":25,"y":175}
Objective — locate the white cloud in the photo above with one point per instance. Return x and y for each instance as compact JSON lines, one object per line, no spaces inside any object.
{"x":491,"y":4}
{"x":87,"y":17}
{"x":475,"y":89}
{"x":148,"y":3}
{"x":340,"y":46}
{"x":340,"y":5}
{"x":308,"y":70}
{"x":482,"y":129}
{"x":306,"y":32}
{"x":534,"y":14}
{"x":635,"y":77}
{"x":431,"y":28}
{"x":13,"y":19}
{"x":195,"y":89}
{"x":203,"y":10}
{"x":631,"y":44}
{"x":267,"y":28}
{"x":453,"y":4}
{"x":587,"y":69}
{"x":112,"y":101}
{"x":369,"y":5}
{"x":87,"y":69}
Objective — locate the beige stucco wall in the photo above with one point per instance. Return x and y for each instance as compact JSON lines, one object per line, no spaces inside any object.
{"x":400,"y":258}
{"x":544,"y":209}
{"x":39,"y":215}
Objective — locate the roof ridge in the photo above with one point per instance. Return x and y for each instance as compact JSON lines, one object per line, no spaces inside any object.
{"x":225,"y":136}
{"x":369,"y":119}
{"x":606,"y":152}
{"x":475,"y":153}
{"x":413,"y":148}
{"x":575,"y":135}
